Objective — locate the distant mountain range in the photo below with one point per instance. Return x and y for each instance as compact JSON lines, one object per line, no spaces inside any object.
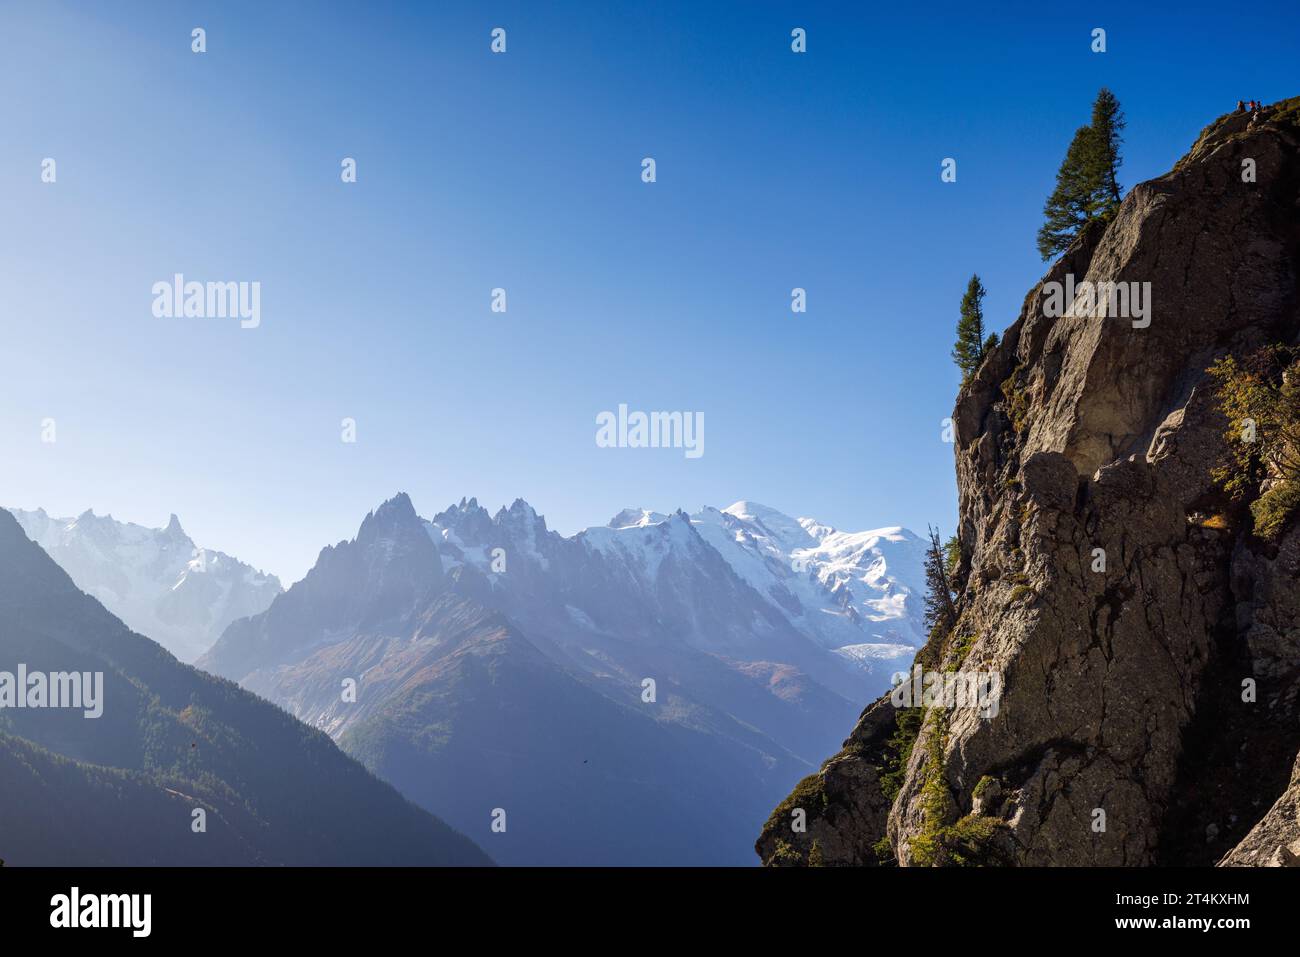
{"x":640,"y":692}
{"x":123,"y":788}
{"x":155,"y":579}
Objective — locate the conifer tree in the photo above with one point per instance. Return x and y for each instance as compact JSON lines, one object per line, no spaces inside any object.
{"x":952,"y":555}
{"x":1070,"y":204}
{"x":1087,"y":184}
{"x":1103,"y":168}
{"x":968,"y":352}
{"x":939,"y":608}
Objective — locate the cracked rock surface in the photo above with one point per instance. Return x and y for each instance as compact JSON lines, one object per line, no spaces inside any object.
{"x":1121,"y":600}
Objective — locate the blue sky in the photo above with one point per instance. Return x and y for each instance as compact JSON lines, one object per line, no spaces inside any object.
{"x":522,"y":171}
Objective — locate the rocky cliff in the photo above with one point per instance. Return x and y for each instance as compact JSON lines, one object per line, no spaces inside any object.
{"x":1145,"y":641}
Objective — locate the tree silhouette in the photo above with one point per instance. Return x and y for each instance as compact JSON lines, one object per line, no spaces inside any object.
{"x":1103,"y":170}
{"x":969,"y":350}
{"x":939,"y":608}
{"x":1087,"y":184}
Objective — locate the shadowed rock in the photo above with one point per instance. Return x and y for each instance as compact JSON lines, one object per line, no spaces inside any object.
{"x":1121,"y":621}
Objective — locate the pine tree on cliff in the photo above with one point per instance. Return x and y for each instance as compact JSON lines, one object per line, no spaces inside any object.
{"x":1067,"y":209}
{"x":939,"y":608}
{"x":971,"y":345}
{"x":1087,"y":184}
{"x":1103,"y":168}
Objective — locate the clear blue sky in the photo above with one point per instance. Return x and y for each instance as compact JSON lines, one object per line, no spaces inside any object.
{"x":522,"y":170}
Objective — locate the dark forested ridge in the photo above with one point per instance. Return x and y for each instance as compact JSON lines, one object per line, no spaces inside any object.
{"x":122,"y":788}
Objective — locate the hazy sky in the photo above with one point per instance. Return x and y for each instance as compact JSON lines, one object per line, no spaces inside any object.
{"x":523,"y":171}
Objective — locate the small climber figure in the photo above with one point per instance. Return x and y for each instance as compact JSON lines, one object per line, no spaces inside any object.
{"x":1240,"y":106}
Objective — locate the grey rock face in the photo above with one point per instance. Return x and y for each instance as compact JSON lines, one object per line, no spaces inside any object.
{"x":1275,"y":840}
{"x":844,"y":807}
{"x":1118,"y":596}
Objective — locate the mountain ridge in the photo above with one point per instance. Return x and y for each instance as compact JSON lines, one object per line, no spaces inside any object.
{"x":506,"y":638}
{"x":173,"y":740}
{"x":158,"y":580}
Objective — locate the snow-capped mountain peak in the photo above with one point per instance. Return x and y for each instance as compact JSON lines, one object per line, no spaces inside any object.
{"x":467,"y":534}
{"x":858,"y":593}
{"x":155,"y":579}
{"x":785,"y":532}
{"x":631,"y":517}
